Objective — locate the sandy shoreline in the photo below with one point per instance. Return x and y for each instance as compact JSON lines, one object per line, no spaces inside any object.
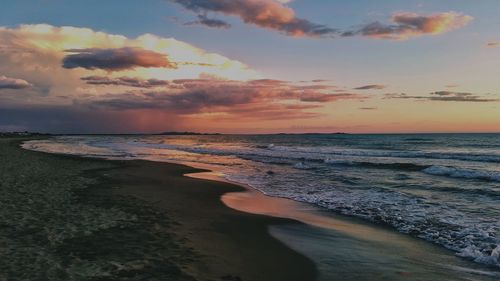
{"x":163,"y":221}
{"x":227,"y":240}
{"x":177,"y":230}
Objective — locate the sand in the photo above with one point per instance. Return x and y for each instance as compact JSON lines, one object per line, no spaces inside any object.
{"x":72,"y":218}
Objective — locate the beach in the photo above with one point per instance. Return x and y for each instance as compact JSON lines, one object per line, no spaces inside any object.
{"x":73,"y":218}
{"x":249,"y":140}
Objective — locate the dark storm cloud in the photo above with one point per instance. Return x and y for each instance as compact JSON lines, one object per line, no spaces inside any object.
{"x":196,"y":95}
{"x":115,"y":59}
{"x":146,"y":107}
{"x":66,"y":119}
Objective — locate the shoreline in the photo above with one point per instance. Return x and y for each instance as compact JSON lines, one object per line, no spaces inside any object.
{"x":204,"y":239}
{"x":300,"y":230}
{"x":228,"y":240}
{"x":401,"y":256}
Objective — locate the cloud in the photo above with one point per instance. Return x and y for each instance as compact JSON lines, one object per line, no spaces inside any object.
{"x":493,"y":44}
{"x":41,"y":48}
{"x":203,"y":89}
{"x":36,"y":52}
{"x":371,"y":87}
{"x":406,"y":25}
{"x":213,"y":23}
{"x":13,"y":83}
{"x":318,"y":97}
{"x":368,"y":108}
{"x":124,"y":81}
{"x":276,"y":15}
{"x":193,"y":96}
{"x":457,"y":96}
{"x":268,"y":14}
{"x":445,"y":96}
{"x":115,"y":59}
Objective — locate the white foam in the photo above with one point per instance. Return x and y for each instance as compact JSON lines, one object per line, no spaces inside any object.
{"x":302,"y":166}
{"x":462,"y":173}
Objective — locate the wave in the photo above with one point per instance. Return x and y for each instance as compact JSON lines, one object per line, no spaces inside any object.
{"x":318,"y":153}
{"x":302,"y":166}
{"x":467,"y":236}
{"x":478,"y":157}
{"x":392,"y":166}
{"x":462,"y":173}
{"x":267,"y":154}
{"x":447,"y":171}
{"x":269,"y":157}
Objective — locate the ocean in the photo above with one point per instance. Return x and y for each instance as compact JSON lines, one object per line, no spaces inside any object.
{"x":443,"y":188}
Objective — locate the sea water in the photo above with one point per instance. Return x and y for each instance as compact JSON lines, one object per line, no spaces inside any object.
{"x":443,"y":188}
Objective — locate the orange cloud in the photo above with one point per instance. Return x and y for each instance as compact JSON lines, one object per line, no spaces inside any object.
{"x":406,"y":25}
{"x":13,"y":83}
{"x":39,"y":50}
{"x":269,"y":14}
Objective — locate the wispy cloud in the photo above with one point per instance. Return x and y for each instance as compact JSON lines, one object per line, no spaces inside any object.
{"x":446,"y":96}
{"x":205,"y":21}
{"x":268,"y":14}
{"x":13,"y":83}
{"x":124,"y":81}
{"x":276,"y":15}
{"x":371,"y":87}
{"x":493,"y":44}
{"x":406,"y":25}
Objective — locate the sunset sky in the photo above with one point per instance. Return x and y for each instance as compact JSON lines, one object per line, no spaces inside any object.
{"x":250,"y":66}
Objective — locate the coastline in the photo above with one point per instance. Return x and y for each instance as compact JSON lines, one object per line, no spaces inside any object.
{"x":228,"y":241}
{"x":166,"y":225}
{"x":226,"y":231}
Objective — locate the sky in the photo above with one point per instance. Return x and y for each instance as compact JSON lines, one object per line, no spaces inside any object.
{"x":250,"y":66}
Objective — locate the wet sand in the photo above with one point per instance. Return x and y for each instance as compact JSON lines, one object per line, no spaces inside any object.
{"x":231,"y":244}
{"x":74,"y":218}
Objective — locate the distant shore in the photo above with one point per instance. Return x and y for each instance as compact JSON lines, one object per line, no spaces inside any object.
{"x":78,"y":218}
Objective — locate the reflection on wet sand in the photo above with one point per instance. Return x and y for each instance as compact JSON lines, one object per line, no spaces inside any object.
{"x":349,"y":249}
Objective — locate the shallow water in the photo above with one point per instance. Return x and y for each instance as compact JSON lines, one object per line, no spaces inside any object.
{"x":441,"y":188}
{"x":344,"y":248}
{"x":340,"y":256}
